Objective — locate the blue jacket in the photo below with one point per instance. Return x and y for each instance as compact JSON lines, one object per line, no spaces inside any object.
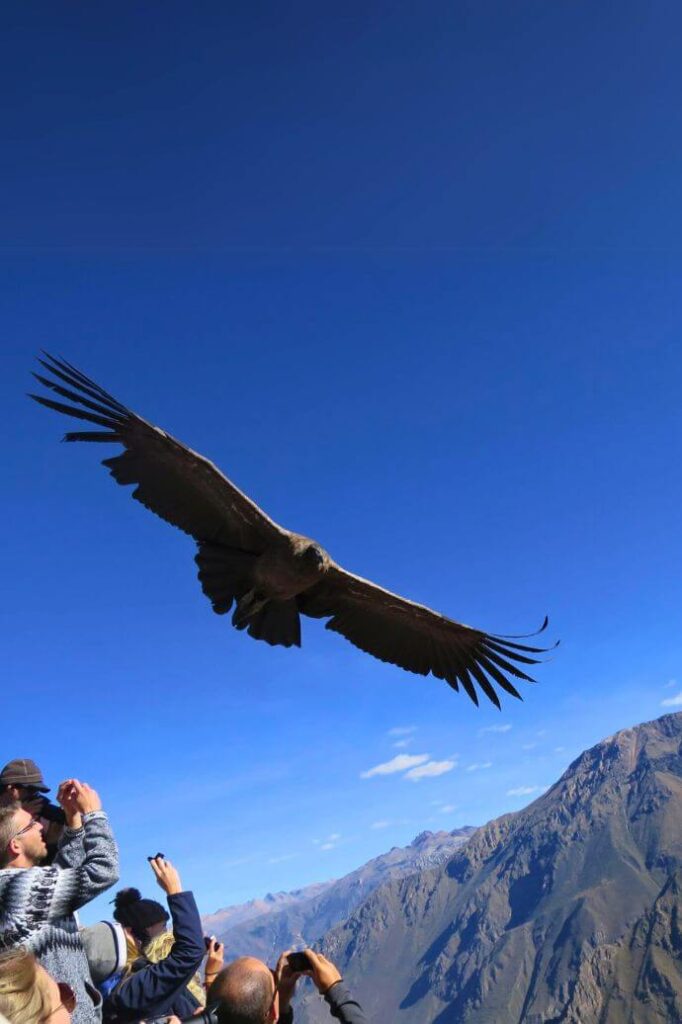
{"x":158,"y":990}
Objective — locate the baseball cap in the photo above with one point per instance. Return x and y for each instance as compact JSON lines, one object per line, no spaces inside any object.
{"x":23,"y":772}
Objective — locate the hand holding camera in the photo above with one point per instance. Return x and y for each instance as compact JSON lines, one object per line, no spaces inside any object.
{"x":166,"y":874}
{"x":215,"y":953}
{"x":292,"y":965}
{"x":322,"y":971}
{"x":86,"y":798}
{"x":66,"y":798}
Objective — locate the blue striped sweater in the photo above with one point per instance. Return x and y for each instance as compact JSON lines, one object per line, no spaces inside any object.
{"x":37,"y":906}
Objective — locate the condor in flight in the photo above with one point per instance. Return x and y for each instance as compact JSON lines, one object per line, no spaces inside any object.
{"x":271,"y":575}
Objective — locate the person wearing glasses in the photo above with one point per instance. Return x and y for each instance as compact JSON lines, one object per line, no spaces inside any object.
{"x":37,"y":902}
{"x":247,"y":991}
{"x":21,"y":780}
{"x":28,"y":994}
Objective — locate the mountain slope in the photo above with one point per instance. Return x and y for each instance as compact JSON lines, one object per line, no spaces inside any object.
{"x":265,"y":927}
{"x":567,"y":912}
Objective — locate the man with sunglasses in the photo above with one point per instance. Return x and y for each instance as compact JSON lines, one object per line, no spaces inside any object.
{"x":22,"y":780}
{"x":37,"y":902}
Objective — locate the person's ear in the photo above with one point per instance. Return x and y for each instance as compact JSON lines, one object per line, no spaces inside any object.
{"x":273,"y":1012}
{"x":14,"y":848}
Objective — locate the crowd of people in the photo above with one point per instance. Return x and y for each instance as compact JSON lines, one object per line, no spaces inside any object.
{"x":148,"y":964}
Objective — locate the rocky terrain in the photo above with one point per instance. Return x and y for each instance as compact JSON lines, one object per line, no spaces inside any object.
{"x":567,"y":912}
{"x":265,"y":927}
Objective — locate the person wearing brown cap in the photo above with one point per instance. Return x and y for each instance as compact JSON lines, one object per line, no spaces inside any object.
{"x":21,"y":780}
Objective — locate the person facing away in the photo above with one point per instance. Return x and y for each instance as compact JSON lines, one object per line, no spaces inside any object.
{"x":247,"y":991}
{"x":28,"y":994}
{"x":21,"y":780}
{"x":160,"y":977}
{"x":37,"y":903}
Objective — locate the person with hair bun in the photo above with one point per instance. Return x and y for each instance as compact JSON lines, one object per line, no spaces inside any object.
{"x":142,"y":920}
{"x":160,"y":976}
{"x":29,"y":995}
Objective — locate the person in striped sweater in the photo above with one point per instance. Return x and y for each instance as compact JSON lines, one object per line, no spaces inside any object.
{"x":37,"y":904}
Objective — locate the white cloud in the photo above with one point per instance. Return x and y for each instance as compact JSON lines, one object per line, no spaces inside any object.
{"x":380,"y":824}
{"x":541,"y":732}
{"x":523,"y":790}
{"x":672,"y":702}
{"x":478,"y":765}
{"x":669,"y":685}
{"x":494,"y":728}
{"x":529,"y":746}
{"x":401,"y":744}
{"x":237,"y":861}
{"x":559,"y":750}
{"x":448,"y":808}
{"x":402,"y":730}
{"x":284,"y":856}
{"x":399,"y":763}
{"x":330,"y":842}
{"x":429,"y":770}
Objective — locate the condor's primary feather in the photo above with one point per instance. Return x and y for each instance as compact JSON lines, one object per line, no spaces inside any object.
{"x":270,"y":575}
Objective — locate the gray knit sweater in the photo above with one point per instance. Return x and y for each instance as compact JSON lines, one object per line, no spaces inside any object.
{"x":37,"y":907}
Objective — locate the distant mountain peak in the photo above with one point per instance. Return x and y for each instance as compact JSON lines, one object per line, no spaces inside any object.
{"x":565,"y":911}
{"x":422,"y":838}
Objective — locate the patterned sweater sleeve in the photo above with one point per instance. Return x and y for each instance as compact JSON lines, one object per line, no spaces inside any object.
{"x":71,"y":851}
{"x":57,"y":891}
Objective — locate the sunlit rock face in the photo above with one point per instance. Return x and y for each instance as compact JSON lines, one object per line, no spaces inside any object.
{"x":568,"y":911}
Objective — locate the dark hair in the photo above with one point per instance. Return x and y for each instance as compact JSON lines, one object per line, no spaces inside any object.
{"x":240,"y":995}
{"x":138,"y":914}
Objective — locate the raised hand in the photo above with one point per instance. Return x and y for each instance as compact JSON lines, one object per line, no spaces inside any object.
{"x":166,"y":875}
{"x":323,"y":972}
{"x":87,"y":799}
{"x":214,"y":959}
{"x":68,"y":801}
{"x":286,"y":981}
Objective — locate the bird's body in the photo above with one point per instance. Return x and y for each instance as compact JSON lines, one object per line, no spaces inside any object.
{"x":271,"y":575}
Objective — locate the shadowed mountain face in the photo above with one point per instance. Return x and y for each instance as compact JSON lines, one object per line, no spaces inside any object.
{"x":567,"y":912}
{"x":265,"y":927}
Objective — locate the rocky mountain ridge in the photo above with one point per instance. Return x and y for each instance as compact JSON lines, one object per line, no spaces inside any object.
{"x":567,"y":912}
{"x":281,"y":920}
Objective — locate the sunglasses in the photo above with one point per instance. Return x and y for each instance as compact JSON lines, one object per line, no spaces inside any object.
{"x":67,"y":998}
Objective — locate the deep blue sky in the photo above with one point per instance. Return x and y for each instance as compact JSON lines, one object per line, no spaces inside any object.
{"x":411,"y":276}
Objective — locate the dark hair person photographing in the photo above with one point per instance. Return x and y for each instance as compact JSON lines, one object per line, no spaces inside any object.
{"x":247,"y":991}
{"x":160,"y":978}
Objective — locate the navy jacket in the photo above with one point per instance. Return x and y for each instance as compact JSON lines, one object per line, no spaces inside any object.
{"x":158,"y":990}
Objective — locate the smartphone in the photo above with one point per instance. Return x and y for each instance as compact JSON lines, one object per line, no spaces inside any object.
{"x":207,"y":941}
{"x":298,"y":962}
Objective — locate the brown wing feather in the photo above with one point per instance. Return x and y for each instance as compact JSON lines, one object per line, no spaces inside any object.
{"x":416,"y":638}
{"x":171,"y":480}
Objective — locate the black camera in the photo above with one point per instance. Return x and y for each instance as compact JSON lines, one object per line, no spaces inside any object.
{"x":298,"y":962}
{"x":49,"y":812}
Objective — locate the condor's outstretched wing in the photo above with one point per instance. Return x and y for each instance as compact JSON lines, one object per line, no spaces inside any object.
{"x":416,"y":638}
{"x":179,"y":485}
